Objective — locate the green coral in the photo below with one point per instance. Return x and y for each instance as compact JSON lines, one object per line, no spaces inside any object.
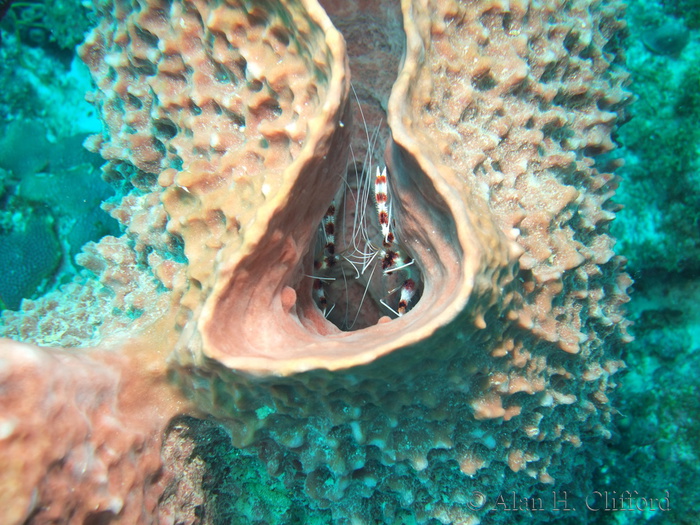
{"x":659,"y":428}
{"x":18,"y":98}
{"x":29,"y":257}
{"x":50,"y":197}
{"x":237,"y":485}
{"x":689,"y":10}
{"x":68,"y":21}
{"x":660,"y":227}
{"x":62,"y":22}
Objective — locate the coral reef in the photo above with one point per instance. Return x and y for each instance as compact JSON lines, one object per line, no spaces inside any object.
{"x":31,"y":256}
{"x":227,"y":130}
{"x":51,"y":195}
{"x":659,"y":230}
{"x":686,"y":9}
{"x":44,"y":170}
{"x":62,"y":23}
{"x":655,"y":448}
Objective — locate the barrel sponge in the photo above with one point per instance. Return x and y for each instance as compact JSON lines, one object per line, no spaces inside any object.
{"x":499,"y":116}
{"x":229,"y":124}
{"x":30,"y":255}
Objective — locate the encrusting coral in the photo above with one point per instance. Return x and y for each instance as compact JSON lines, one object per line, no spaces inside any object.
{"x":227,"y":127}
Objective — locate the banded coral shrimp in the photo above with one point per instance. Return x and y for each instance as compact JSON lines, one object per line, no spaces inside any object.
{"x":362,"y":272}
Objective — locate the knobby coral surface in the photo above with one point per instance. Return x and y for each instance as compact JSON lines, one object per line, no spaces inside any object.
{"x":227,"y":129}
